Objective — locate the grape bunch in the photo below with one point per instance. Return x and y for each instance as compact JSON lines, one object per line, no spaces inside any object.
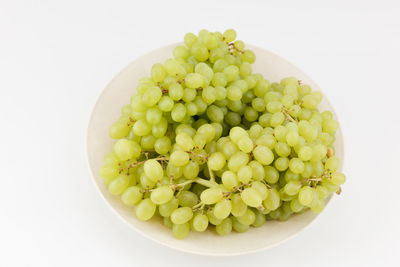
{"x":206,"y":142}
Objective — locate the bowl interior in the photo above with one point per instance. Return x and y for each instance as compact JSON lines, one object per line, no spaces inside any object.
{"x":107,"y":110}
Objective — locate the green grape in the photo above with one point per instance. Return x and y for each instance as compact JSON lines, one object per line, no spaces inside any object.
{"x":166,"y":209}
{"x":305,"y":153}
{"x":229,"y":35}
{"x":282,"y":149}
{"x":158,"y":72}
{"x":229,"y":180}
{"x":239,"y":227}
{"x":200,"y":222}
{"x":280,"y":133}
{"x":220,"y":65}
{"x":222,"y":209}
{"x":248,"y":56}
{"x":250,"y":114}
{"x":108,"y":173}
{"x":251,"y":197}
{"x":231,"y":72}
{"x":207,"y":131}
{"x":261,"y":189}
{"x":235,"y":106}
{"x":281,"y":163}
{"x":296,"y":206}
{"x":194,"y":80}
{"x":257,"y":170}
{"x":173,"y":67}
{"x":244,"y":174}
{"x":181,"y":215}
{"x":190,"y":39}
{"x":160,"y":129}
{"x":338,"y":178}
{"x":187,"y":199}
{"x":191,"y":170}
{"x":199,"y":51}
{"x":292,"y":188}
{"x":273,"y":199}
{"x":238,"y":205}
{"x":215,"y":114}
{"x":267,"y":140}
{"x":259,"y":220}
{"x":217,"y":129}
{"x":141,"y":128}
{"x":119,"y":130}
{"x":147,"y":142}
{"x":247,"y":218}
{"x":234,"y":93}
{"x":238,"y":160}
{"x":306,"y":195}
{"x":161,"y":194}
{"x":180,"y":52}
{"x":189,"y":95}
{"x":237,"y":133}
{"x":216,"y":161}
{"x":178,"y":112}
{"x":263,"y":155}
{"x":332,"y":188}
{"x":211,"y":217}
{"x":255,"y":131}
{"x":245,"y":145}
{"x":153,"y":115}
{"x":145,"y":209}
{"x":277,"y":119}
{"x":152,"y":96}
{"x":175,"y":92}
{"x":211,"y":195}
{"x":317,"y":168}
{"x":179,"y":158}
{"x":126,"y":149}
{"x":233,"y":119}
{"x":271,"y":174}
{"x":209,"y":95}
{"x":225,"y":227}
{"x":131,"y":196}
{"x":167,"y":222}
{"x":180,"y":231}
{"x":118,"y":185}
{"x":264,"y":119}
{"x":162,"y":145}
{"x":245,"y":70}
{"x":153,"y":170}
{"x":185,"y":141}
{"x":322,"y":191}
{"x":332,"y":164}
{"x":296,"y":165}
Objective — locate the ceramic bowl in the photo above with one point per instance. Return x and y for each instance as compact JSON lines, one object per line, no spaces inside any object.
{"x":107,"y":110}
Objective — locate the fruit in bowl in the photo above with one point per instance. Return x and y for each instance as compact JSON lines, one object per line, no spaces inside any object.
{"x":207,"y":143}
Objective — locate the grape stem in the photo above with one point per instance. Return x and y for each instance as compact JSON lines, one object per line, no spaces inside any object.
{"x":182,"y":184}
{"x":206,"y":183}
{"x":287,"y":115}
{"x":212,"y":177}
{"x":142,"y":162}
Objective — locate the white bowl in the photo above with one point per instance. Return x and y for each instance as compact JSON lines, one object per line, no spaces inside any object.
{"x":107,"y":110}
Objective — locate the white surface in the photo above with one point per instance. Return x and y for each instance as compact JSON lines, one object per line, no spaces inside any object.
{"x":55,"y":58}
{"x":99,"y":143}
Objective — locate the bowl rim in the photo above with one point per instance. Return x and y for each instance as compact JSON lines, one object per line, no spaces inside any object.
{"x":182,"y":249}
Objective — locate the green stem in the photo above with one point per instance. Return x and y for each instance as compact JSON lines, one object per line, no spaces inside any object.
{"x":206,"y":183}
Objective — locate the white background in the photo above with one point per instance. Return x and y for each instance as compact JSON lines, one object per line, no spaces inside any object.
{"x":55,"y":58}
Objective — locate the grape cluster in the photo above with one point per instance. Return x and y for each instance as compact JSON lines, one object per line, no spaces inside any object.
{"x":205,"y":141}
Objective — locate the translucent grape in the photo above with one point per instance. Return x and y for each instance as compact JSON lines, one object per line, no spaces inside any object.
{"x":211,"y":195}
{"x":222,"y":209}
{"x":263,"y":155}
{"x":181,"y":215}
{"x":145,"y":210}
